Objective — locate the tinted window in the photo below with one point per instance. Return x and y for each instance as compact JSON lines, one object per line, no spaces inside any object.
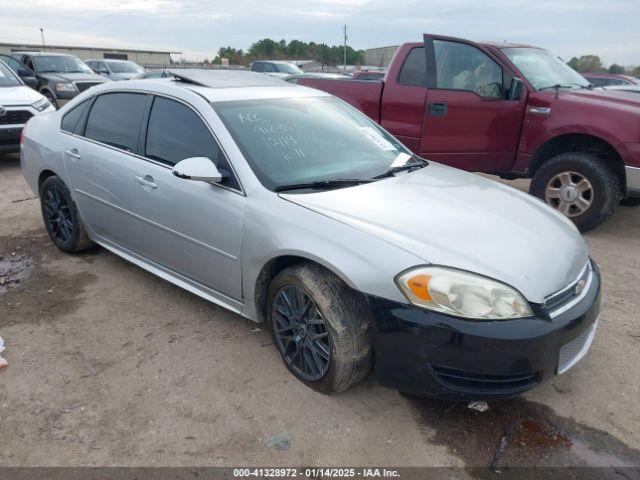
{"x":257,"y":67}
{"x":115,"y":119}
{"x":176,"y":132}
{"x":11,"y":62}
{"x":269,"y":67}
{"x":71,"y":121}
{"x":463,"y":67}
{"x":414,"y":68}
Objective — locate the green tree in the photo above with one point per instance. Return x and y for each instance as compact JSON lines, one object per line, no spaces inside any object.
{"x":616,"y":69}
{"x":587,"y":63}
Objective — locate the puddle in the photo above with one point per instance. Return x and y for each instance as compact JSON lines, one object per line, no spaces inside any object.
{"x":517,"y":433}
{"x":30,"y":291}
{"x":14,"y":269}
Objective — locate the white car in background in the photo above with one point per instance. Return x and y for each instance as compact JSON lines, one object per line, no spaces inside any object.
{"x":275,"y":68}
{"x":18,"y":103}
{"x":115,"y":69}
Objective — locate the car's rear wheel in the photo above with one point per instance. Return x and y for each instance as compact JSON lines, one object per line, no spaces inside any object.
{"x":321,"y":328}
{"x":61,"y":218}
{"x":580,"y":186}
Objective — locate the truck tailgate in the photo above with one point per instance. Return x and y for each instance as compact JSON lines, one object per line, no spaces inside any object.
{"x":362,"y":94}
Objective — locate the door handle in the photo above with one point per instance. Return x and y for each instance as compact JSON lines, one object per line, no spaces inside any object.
{"x":438,"y":109}
{"x":146,"y":181}
{"x":73,"y":153}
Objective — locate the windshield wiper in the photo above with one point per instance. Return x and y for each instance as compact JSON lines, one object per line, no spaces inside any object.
{"x":323,"y":184}
{"x":567,"y":85}
{"x":420,"y":163}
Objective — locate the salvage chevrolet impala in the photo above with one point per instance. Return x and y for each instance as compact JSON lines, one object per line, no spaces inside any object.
{"x":288,"y":206}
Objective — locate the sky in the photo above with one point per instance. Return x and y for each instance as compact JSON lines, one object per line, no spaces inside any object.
{"x":197,"y":28}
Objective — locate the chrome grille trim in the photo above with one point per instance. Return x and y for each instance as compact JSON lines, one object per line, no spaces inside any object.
{"x":586,"y":274}
{"x":572,"y":352}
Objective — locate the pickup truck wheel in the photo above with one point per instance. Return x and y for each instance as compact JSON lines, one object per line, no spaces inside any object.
{"x":321,"y":328}
{"x":580,"y":186}
{"x":61,"y":218}
{"x":51,"y":98}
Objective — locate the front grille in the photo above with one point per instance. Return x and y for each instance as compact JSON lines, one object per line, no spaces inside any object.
{"x":482,"y":383}
{"x":559,"y":302}
{"x":82,"y":86}
{"x":15,"y":117}
{"x":577,"y":348}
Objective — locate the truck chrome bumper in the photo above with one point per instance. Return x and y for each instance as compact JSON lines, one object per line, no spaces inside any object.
{"x":633,"y":181}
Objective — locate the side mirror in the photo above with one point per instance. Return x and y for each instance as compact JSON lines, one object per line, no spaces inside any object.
{"x":515,"y":89}
{"x":30,"y":82}
{"x":24,"y":72}
{"x":198,"y":168}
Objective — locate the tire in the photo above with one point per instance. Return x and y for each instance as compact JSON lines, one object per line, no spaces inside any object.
{"x":51,"y":97}
{"x":630,"y":202}
{"x":580,"y":174}
{"x":345,"y":318}
{"x":61,"y":218}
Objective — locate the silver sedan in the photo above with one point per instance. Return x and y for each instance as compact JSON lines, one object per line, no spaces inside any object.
{"x":288,"y":206}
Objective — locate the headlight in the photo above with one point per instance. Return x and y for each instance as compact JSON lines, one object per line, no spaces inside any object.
{"x":41,"y":105}
{"x":65,"y":87}
{"x":462,"y":294}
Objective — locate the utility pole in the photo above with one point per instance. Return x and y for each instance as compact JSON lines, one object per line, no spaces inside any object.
{"x":42,"y":34}
{"x":344,"y":65}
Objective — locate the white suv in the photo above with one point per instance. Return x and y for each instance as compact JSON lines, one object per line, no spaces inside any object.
{"x":18,"y":103}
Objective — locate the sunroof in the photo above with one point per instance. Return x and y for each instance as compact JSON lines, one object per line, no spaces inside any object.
{"x":226,"y":78}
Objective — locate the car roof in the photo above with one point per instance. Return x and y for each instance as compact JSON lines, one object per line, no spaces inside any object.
{"x":48,"y":54}
{"x":218,"y":85}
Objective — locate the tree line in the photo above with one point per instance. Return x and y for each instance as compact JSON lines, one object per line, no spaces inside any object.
{"x":293,"y":50}
{"x":593,"y":64}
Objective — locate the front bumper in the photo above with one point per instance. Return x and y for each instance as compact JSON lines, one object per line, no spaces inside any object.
{"x":428,"y":353}
{"x":10,"y":139}
{"x":633,"y":181}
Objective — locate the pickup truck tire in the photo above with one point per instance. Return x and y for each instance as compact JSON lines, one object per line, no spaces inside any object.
{"x":61,"y":218}
{"x":51,"y":97}
{"x":321,"y":328}
{"x":580,"y":185}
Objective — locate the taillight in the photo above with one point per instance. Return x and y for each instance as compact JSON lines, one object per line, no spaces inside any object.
{"x":24,"y":129}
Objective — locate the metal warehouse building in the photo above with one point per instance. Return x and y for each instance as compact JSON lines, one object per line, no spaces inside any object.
{"x":379,"y":57}
{"x":141,"y":57}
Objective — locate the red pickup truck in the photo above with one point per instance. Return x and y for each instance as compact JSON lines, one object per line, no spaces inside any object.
{"x":511,"y":110}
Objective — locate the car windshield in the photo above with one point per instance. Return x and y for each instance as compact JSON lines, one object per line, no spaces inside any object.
{"x":60,"y":64}
{"x":312,"y":139}
{"x":287,"y":68}
{"x":543,"y":69}
{"x":7,"y":77}
{"x":124,"y":67}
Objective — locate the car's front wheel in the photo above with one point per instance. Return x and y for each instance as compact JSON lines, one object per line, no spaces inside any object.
{"x":580,"y":185}
{"x":321,"y":328}
{"x":61,"y":217}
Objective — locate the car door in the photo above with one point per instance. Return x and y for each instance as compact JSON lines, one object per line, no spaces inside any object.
{"x":193,"y":228}
{"x":100,"y":142}
{"x":470,"y":123}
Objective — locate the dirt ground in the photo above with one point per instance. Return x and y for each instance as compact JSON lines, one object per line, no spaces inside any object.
{"x":109,"y":365}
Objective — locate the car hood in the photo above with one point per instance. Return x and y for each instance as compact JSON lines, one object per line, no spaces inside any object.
{"x":452,"y":218}
{"x":73,"y":77}
{"x":20,"y":95}
{"x":611,"y":98}
{"x":123,"y":76}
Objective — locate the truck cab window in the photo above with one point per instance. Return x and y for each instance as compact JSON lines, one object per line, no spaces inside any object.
{"x":463,"y":67}
{"x":414,"y":69}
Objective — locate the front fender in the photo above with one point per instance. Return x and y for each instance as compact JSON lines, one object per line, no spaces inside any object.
{"x":275,"y":227}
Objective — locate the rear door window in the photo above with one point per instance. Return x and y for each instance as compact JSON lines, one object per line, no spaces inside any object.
{"x":175,"y":132}
{"x":115,"y":120}
{"x":72,"y":122}
{"x":414,"y":68}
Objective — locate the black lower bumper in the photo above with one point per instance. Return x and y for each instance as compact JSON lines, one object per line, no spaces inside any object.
{"x":10,"y":139}
{"x":428,"y":353}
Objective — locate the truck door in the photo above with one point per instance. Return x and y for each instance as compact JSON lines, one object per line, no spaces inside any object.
{"x":469,"y":121}
{"x":402,"y":106}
